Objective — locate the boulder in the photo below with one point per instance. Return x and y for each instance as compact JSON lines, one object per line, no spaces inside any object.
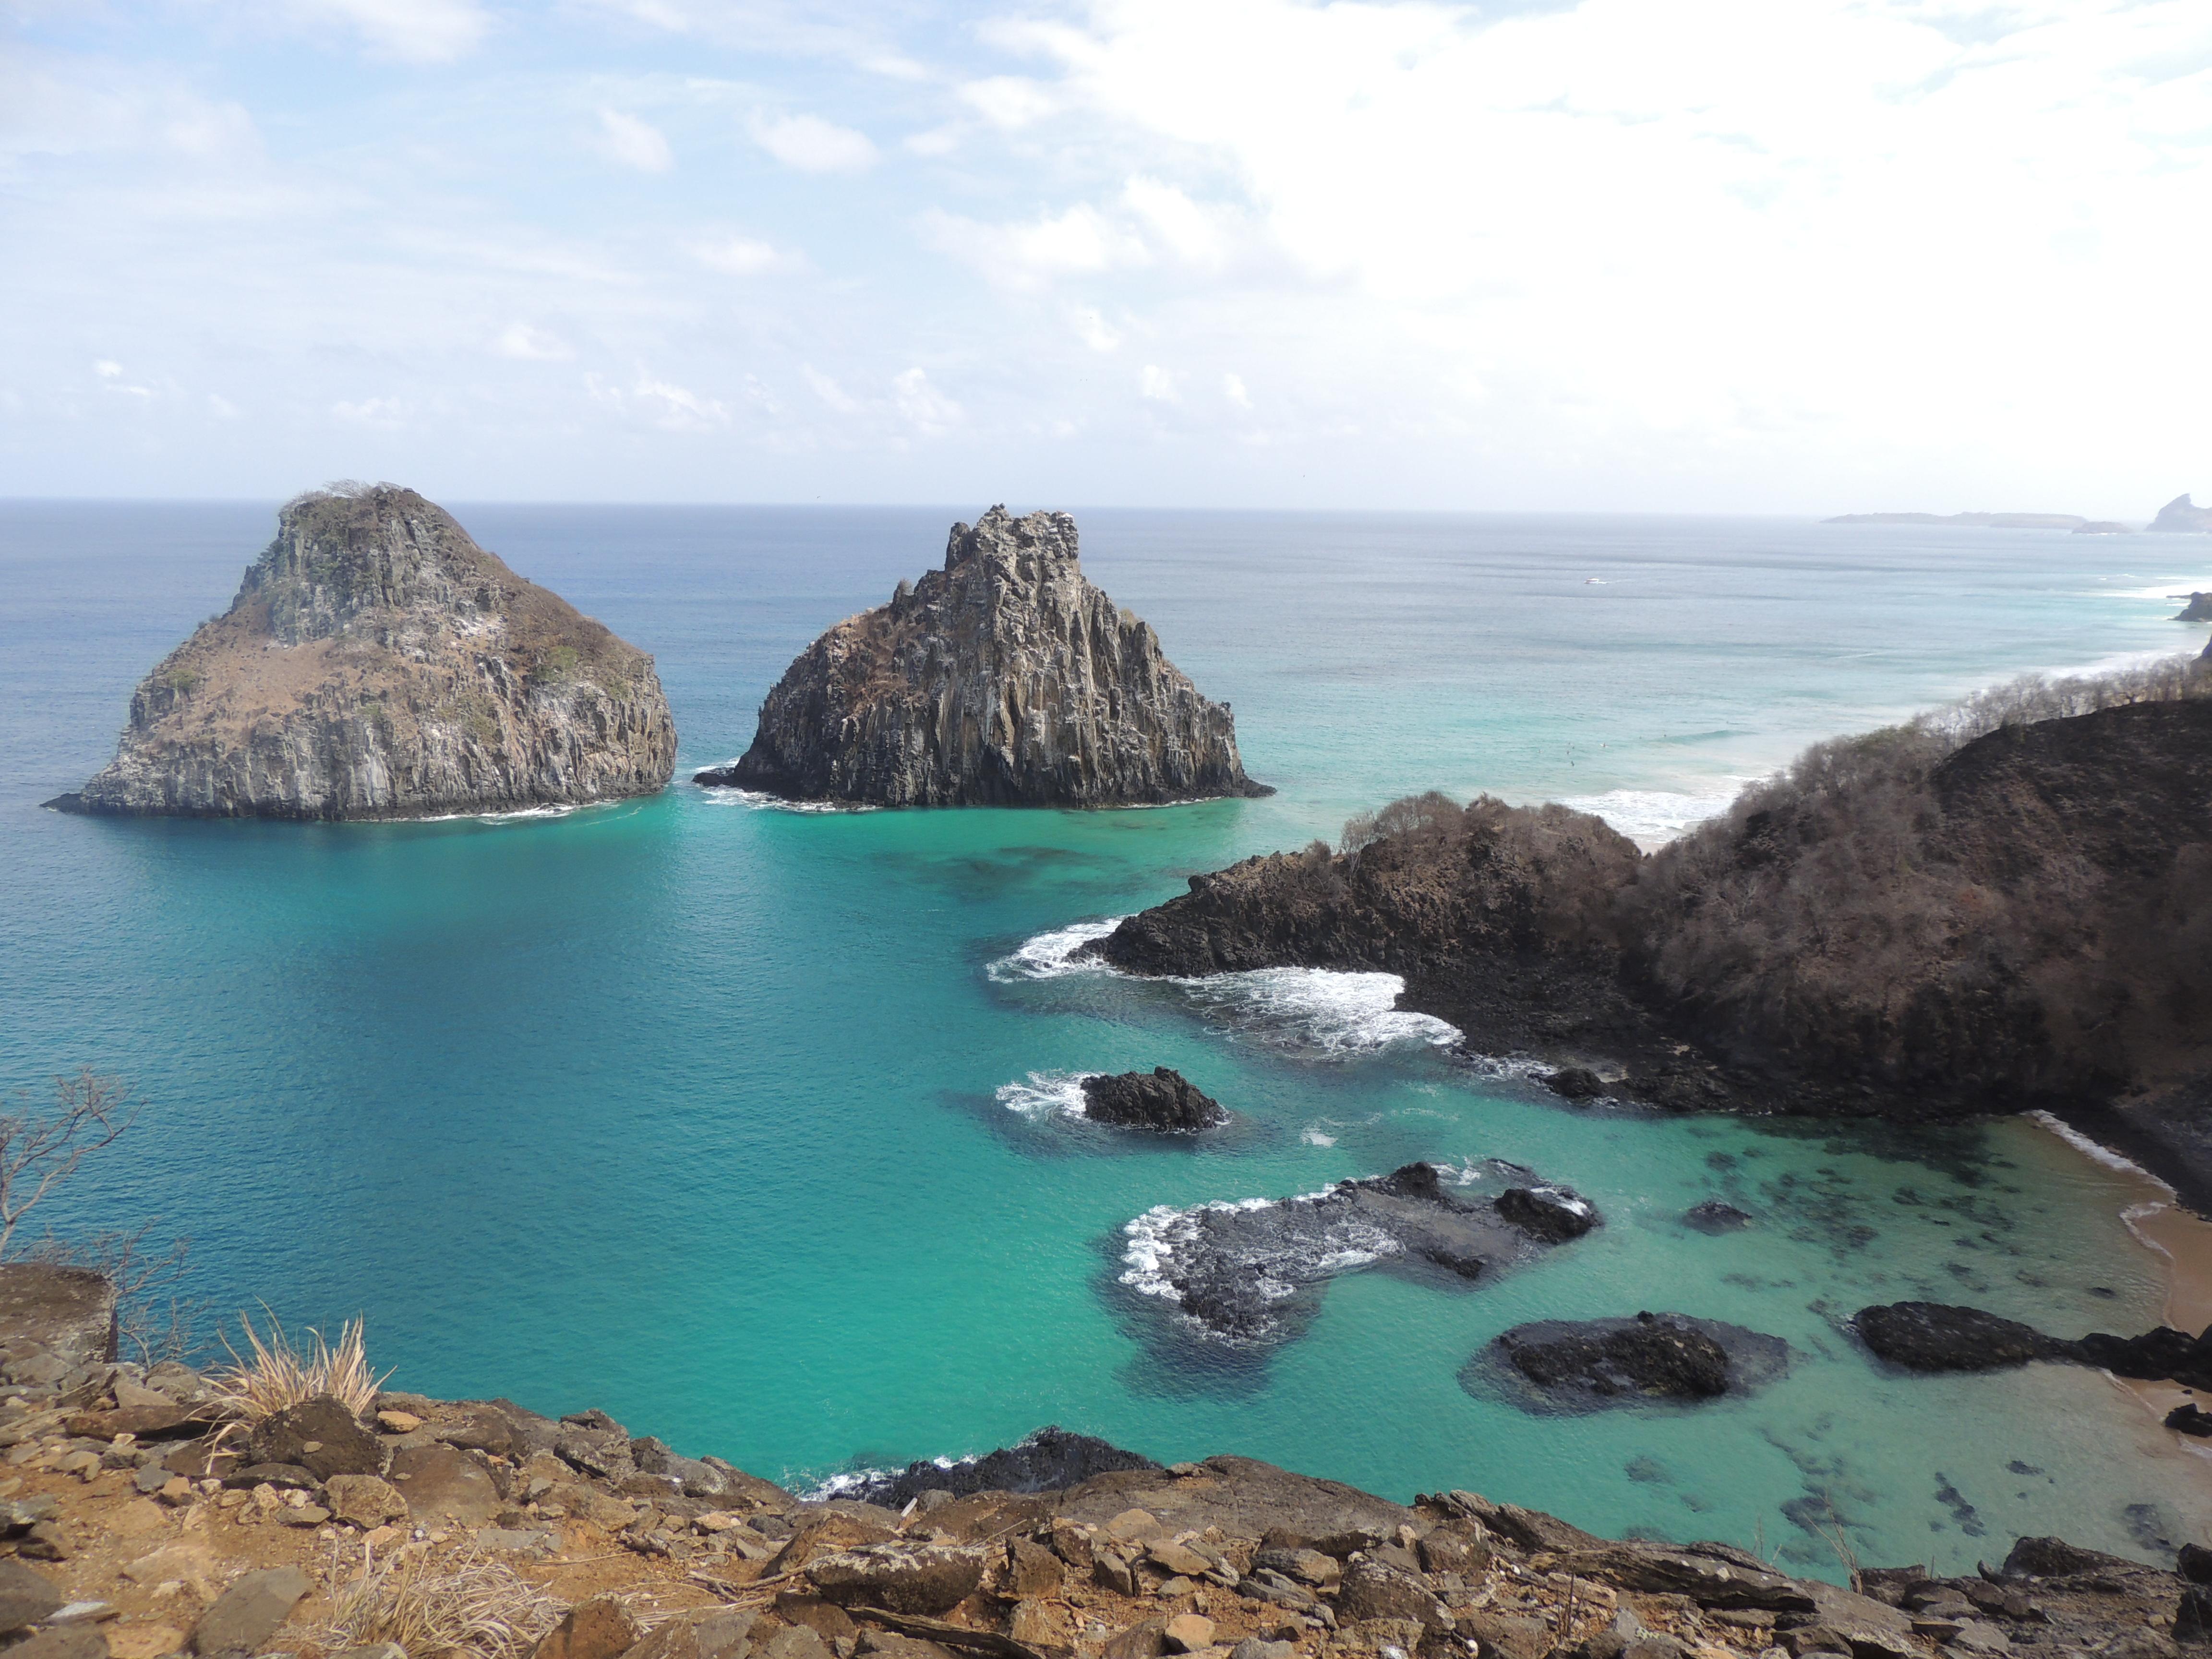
{"x":1373,"y":1589}
{"x":28,"y":1596}
{"x":70,"y":1642}
{"x":1588,"y":1363}
{"x":377,"y":662}
{"x":1187,"y":1632}
{"x":66,"y":1315}
{"x":918,"y":1578}
{"x":1714,"y":1217}
{"x":1554,"y":1214}
{"x":709,"y":1633}
{"x":1004,"y":680}
{"x":1163,"y":1101}
{"x":363,"y":1500}
{"x":442,"y":1484}
{"x":1712,"y":1576}
{"x":1934,"y":1336}
{"x":601,"y":1628}
{"x":321,"y":1435}
{"x":594,"y":1443}
{"x":1576,"y":1083}
{"x":249,"y":1612}
{"x":1050,"y":1460}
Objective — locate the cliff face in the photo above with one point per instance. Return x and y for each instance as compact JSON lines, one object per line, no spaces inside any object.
{"x":377,"y":662}
{"x":1895,"y":928}
{"x":2182,"y":513}
{"x":1005,"y":678}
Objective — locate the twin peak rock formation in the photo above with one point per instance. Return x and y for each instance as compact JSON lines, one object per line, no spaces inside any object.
{"x":378,"y":664}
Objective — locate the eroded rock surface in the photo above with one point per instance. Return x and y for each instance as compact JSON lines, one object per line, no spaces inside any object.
{"x":1665,"y":1357}
{"x":1046,"y":1460}
{"x":1162,"y":1101}
{"x":377,"y":662}
{"x":1254,"y":1271}
{"x":1003,"y":679}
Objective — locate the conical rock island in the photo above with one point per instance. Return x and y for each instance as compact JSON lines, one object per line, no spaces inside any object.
{"x":1004,"y":680}
{"x":377,"y":662}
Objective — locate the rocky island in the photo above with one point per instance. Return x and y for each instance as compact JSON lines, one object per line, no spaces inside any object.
{"x":2183,"y":514}
{"x":1003,"y":679}
{"x":1983,"y":912}
{"x":378,"y":664}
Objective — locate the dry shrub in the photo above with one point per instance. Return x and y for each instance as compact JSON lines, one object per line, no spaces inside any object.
{"x":275,"y":1374}
{"x":461,"y":1605}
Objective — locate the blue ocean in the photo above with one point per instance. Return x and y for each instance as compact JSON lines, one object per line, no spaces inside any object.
{"x":746,"y":1124}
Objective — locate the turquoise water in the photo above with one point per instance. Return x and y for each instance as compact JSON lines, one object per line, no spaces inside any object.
{"x":691,"y":1110}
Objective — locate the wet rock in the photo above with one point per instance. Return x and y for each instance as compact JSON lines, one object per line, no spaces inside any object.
{"x":322,"y":1437}
{"x":1005,"y":678}
{"x":249,"y":1612}
{"x":1714,"y":1217}
{"x":2161,"y":1353}
{"x":2190,"y":1419}
{"x":925,"y":1578}
{"x":1602,"y":1362}
{"x":1050,"y":1460}
{"x":1554,"y":1214}
{"x":1225,"y":1265}
{"x":1163,"y":1101}
{"x":1576,"y":1083}
{"x":1934,"y":1336}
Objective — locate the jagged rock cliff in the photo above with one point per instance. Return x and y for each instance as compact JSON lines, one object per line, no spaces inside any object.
{"x":1004,"y":680}
{"x":2182,"y":513}
{"x":377,"y":662}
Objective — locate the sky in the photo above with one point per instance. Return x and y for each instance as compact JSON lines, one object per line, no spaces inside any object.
{"x":1750,"y":256}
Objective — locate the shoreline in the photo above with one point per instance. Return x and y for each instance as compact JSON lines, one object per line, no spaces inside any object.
{"x":2163,"y":1224}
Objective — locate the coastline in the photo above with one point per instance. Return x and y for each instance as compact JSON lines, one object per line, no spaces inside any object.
{"x":2181,"y":1238}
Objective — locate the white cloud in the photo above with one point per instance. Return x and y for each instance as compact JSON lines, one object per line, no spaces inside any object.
{"x":936,"y":141}
{"x":742,"y":256}
{"x":633,"y":142}
{"x":1080,"y":241}
{"x":107,"y":368}
{"x":663,"y":404}
{"x":1008,"y":101}
{"x":386,"y":414}
{"x":221,"y":407}
{"x":533,"y":345}
{"x":929,"y":410}
{"x":812,"y":144}
{"x":1093,"y":330}
{"x":830,"y":392}
{"x":1158,"y":385}
{"x":1232,"y":387}
{"x":1176,"y":222}
{"x":413,"y":31}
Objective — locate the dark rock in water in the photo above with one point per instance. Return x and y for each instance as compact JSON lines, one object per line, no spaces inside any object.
{"x":1602,"y":1362}
{"x":1934,"y":1336}
{"x":2199,"y":609}
{"x":1244,"y":1271}
{"x":377,"y":662}
{"x":1162,"y":1100}
{"x":1554,"y":1214}
{"x":2194,"y":1563}
{"x":2183,"y":513}
{"x":2157,"y":1354}
{"x":2054,"y":1558}
{"x":1714,"y":1217}
{"x":1576,"y":1083}
{"x":1051,"y":1460}
{"x":1005,"y":679}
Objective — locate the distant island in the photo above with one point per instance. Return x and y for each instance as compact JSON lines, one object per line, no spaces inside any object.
{"x":1983,"y":520}
{"x":2182,"y":513}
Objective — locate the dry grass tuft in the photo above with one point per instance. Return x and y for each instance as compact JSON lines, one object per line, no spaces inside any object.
{"x":465,"y":1605}
{"x":274,"y":1374}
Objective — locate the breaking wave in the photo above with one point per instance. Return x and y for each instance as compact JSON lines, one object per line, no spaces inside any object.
{"x":1046,"y":1094}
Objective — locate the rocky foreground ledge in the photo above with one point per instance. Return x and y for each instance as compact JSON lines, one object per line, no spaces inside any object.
{"x":133,"y":1524}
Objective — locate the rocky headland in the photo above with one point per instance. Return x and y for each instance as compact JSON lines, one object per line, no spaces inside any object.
{"x":1161,"y":1100}
{"x":1254,"y":1273}
{"x":1003,"y":679}
{"x":1983,"y":912}
{"x":141,"y":1518}
{"x":2196,"y":608}
{"x":378,"y":664}
{"x":2182,"y":513}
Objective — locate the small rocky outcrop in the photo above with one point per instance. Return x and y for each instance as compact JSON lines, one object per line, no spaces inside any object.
{"x":2183,"y":513}
{"x":1653,"y":1357}
{"x":1047,"y":1460}
{"x":1934,"y":1336}
{"x":1255,"y":1272}
{"x":1715,"y":1216}
{"x":2198,"y":609}
{"x":1004,"y":680}
{"x":378,"y":664}
{"x":1162,"y":1101}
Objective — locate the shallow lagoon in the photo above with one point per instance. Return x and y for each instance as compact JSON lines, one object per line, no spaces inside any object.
{"x":690,"y":1110}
